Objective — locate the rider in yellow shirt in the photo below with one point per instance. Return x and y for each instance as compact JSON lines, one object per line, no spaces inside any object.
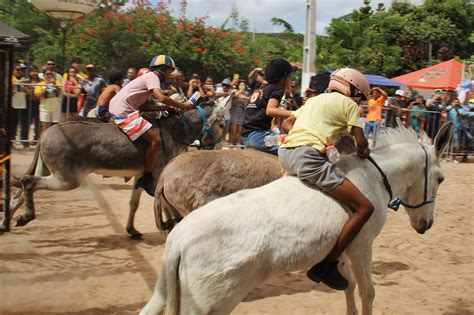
{"x":317,"y":124}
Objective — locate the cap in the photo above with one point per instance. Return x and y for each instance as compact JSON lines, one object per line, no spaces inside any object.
{"x":90,"y":66}
{"x":21,"y":66}
{"x":319,"y":83}
{"x":400,"y":92}
{"x":439,"y":91}
{"x":226,"y":81}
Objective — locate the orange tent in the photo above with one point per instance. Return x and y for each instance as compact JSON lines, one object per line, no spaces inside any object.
{"x":446,"y":75}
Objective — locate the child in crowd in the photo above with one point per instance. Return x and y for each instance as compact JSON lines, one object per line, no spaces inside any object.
{"x":115,"y":84}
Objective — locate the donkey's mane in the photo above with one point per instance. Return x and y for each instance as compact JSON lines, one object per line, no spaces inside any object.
{"x":391,"y":136}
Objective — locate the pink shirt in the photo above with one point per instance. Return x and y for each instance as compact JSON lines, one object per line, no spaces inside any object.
{"x":134,"y":94}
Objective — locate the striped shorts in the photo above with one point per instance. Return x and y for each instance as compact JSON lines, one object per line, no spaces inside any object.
{"x":134,"y":125}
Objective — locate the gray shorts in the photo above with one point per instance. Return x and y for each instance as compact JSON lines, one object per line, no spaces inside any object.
{"x":311,"y":166}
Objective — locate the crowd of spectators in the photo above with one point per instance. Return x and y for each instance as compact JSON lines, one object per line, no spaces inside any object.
{"x":43,"y":98}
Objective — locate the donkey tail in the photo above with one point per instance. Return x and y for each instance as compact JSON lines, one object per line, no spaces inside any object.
{"x":166,"y":293}
{"x":162,"y":205}
{"x":18,"y":199}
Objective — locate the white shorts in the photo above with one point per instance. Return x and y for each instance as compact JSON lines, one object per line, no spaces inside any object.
{"x":49,"y":117}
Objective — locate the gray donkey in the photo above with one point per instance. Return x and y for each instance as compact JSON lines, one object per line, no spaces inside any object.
{"x":74,"y":149}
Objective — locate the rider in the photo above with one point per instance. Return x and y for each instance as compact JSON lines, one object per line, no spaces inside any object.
{"x":317,"y":123}
{"x":125,"y":106}
{"x":263,"y":106}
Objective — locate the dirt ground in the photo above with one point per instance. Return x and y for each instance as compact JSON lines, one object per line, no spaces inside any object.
{"x":75,"y":258}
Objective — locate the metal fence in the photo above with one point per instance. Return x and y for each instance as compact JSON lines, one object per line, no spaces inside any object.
{"x":427,"y":124}
{"x":26,"y":110}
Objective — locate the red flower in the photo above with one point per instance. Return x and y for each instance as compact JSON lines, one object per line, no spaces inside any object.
{"x":198,"y":50}
{"x":131,"y":29}
{"x":109,"y":31}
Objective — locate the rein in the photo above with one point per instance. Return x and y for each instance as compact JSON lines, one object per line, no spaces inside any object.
{"x":395,"y":204}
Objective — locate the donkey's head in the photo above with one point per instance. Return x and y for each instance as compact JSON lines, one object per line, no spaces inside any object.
{"x":420,"y":196}
{"x":216,"y":121}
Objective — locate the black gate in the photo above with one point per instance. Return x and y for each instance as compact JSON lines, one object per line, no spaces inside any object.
{"x":6,"y":69}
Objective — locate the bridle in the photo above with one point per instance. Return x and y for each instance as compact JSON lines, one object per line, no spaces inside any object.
{"x":206,"y":127}
{"x":394,"y":204}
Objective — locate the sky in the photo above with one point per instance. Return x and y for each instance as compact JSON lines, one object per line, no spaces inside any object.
{"x":260,"y":12}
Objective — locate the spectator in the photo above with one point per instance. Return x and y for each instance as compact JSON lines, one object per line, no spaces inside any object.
{"x":374,"y":111}
{"x":417,"y":114}
{"x":264,"y":105}
{"x":395,"y":106}
{"x":209,"y":88}
{"x":48,"y":95}
{"x":256,"y":79}
{"x":411,"y":94}
{"x":70,"y":90}
{"x":76,"y":64}
{"x":224,"y":91}
{"x":434,"y":107}
{"x":131,"y":74}
{"x":467,"y":127}
{"x":19,"y":110}
{"x":32,"y":105}
{"x":176,"y":84}
{"x":91,"y":87}
{"x":237,"y":113}
{"x":115,"y":84}
{"x":293,"y":98}
{"x":195,"y":86}
{"x":50,"y":65}
{"x":179,"y":79}
{"x":454,"y":115}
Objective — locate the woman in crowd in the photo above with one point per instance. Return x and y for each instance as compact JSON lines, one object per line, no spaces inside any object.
{"x":71,"y":90}
{"x":48,"y":95}
{"x":237,"y":113}
{"x":417,"y":114}
{"x":32,"y":108}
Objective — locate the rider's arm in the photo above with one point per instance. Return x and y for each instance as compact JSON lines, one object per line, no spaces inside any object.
{"x":274,"y":111}
{"x":158,"y":94}
{"x":362,"y":143}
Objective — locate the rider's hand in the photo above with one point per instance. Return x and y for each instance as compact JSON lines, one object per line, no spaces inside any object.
{"x":363,"y":151}
{"x":187,"y":105}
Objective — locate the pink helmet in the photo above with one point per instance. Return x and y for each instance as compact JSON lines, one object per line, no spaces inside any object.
{"x":349,"y":82}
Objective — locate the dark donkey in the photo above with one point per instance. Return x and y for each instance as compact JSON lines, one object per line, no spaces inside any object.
{"x":72,"y":150}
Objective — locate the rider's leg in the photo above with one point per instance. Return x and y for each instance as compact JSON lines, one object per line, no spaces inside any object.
{"x":362,"y":209}
{"x":147,"y":181}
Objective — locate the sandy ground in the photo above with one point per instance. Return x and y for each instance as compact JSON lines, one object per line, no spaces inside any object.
{"x":75,"y":258}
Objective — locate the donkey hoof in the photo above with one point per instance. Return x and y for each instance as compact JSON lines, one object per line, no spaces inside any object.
{"x":23,"y":220}
{"x":134,"y":234}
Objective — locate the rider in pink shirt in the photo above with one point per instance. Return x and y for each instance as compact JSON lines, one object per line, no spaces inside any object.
{"x":124,"y":108}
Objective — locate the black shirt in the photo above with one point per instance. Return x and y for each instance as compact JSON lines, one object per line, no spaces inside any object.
{"x":256,"y":118}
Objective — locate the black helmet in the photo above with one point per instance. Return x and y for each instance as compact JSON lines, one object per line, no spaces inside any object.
{"x":278,"y":69}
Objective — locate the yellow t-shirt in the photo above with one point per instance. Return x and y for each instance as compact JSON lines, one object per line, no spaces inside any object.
{"x":321,"y":119}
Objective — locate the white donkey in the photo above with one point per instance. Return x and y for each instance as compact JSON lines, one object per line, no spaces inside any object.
{"x":221,"y":251}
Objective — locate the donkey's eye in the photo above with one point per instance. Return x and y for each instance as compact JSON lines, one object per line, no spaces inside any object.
{"x":440,"y":180}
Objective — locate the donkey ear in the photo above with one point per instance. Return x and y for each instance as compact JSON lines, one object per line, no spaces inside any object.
{"x":443,"y":137}
{"x":399,"y":122}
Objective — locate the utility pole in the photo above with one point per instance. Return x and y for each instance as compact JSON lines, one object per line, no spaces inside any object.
{"x":309,"y":48}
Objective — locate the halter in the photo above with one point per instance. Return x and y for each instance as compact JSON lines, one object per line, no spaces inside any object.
{"x":395,"y":204}
{"x":206,"y":128}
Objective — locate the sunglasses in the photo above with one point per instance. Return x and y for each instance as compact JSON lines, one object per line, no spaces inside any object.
{"x":51,"y":64}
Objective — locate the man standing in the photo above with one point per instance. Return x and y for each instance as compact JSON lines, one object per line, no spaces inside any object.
{"x":50,"y":65}
{"x":91,"y":87}
{"x":434,"y":107}
{"x":395,"y":105}
{"x":131,"y":74}
{"x":374,"y":113}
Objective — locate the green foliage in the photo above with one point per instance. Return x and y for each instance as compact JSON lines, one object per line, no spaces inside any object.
{"x":285,"y":24}
{"x":395,"y":41}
